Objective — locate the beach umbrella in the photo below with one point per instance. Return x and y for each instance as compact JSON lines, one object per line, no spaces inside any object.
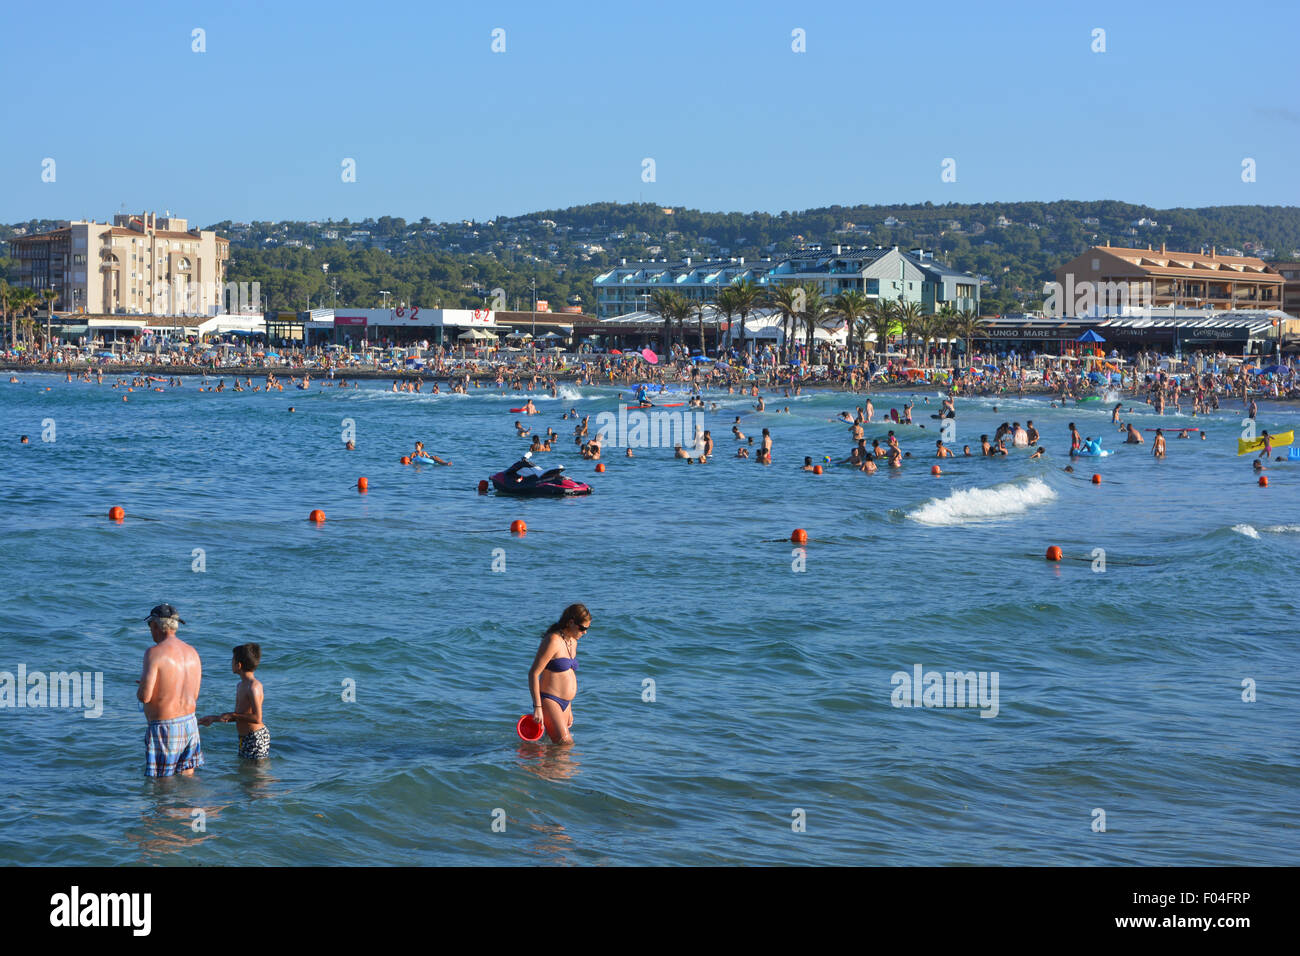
{"x":649,"y":356}
{"x":615,"y":351}
{"x":1090,"y":336}
{"x":1274,"y":369}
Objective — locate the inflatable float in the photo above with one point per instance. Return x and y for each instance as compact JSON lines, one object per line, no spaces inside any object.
{"x":1280,"y":440}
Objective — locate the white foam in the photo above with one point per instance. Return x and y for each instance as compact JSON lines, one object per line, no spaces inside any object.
{"x":982,"y":504}
{"x":1283,"y":529}
{"x":1246,"y":529}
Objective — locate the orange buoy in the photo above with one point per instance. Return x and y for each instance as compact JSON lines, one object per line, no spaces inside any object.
{"x":518,"y":527}
{"x":1096,"y":479}
{"x":362,"y":484}
{"x":317,"y":516}
{"x":799,"y":536}
{"x":817,"y":469}
{"x":601,"y":466}
{"x":1263,"y":481}
{"x":116,"y":513}
{"x":936,"y":470}
{"x":406,"y":459}
{"x":483,"y":487}
{"x":1054,"y":553}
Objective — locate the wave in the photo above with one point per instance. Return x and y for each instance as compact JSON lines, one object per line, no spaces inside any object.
{"x":982,"y":504}
{"x":1248,"y":530}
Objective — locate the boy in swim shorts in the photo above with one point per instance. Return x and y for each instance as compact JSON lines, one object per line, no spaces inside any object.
{"x":254,"y":738}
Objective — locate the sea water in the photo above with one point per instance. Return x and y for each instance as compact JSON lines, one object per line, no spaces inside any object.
{"x":741,"y":699}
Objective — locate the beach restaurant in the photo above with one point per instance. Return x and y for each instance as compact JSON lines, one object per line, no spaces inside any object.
{"x":1238,"y":331}
{"x":405,"y":325}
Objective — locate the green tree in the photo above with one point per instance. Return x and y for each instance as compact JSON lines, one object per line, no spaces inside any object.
{"x":882,"y":322}
{"x":851,"y":306}
{"x":748,"y":296}
{"x":667,"y":304}
{"x":787,"y":301}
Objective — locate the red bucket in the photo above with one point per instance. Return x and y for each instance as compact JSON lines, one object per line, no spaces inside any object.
{"x":530,"y":729}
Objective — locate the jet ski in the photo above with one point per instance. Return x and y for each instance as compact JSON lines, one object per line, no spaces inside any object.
{"x":528,"y":480}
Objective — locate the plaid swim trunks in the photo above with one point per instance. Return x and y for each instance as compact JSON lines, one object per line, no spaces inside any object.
{"x":171,"y":746}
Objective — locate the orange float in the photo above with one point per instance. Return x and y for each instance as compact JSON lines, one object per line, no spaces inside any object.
{"x":799,"y":536}
{"x":817,"y":469}
{"x":483,"y":487}
{"x":362,"y":484}
{"x":406,"y":459}
{"x":518,"y":527}
{"x":1263,"y":481}
{"x":1054,"y":553}
{"x":116,"y":513}
{"x":317,"y":516}
{"x":936,"y":470}
{"x":1096,"y":479}
{"x":600,"y":467}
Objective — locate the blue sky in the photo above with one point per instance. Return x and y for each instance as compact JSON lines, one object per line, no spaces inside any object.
{"x":439,"y":125}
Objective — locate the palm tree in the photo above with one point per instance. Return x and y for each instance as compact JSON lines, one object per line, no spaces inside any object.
{"x":5,"y":294}
{"x":967,"y":326}
{"x":698,"y":308}
{"x":947,"y":329}
{"x":726,"y":305}
{"x":881,"y":320}
{"x":50,"y":295}
{"x":850,"y":306}
{"x":814,"y":313}
{"x":909,"y":316}
{"x":21,"y":301}
{"x":788,"y":301}
{"x":664,"y":303}
{"x":748,"y":296}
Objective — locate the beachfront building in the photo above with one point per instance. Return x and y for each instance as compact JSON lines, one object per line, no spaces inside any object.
{"x":137,"y":265}
{"x":1165,"y":329}
{"x":627,"y":287}
{"x":1290,"y":273}
{"x":878,"y":272}
{"x":1182,"y":280}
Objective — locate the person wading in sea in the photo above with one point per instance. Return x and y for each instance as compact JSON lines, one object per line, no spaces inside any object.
{"x":169,"y":690}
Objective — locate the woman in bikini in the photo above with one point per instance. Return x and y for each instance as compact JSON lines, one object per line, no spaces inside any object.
{"x":553,"y":678}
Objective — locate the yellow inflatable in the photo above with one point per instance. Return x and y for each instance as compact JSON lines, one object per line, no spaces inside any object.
{"x":1277,"y":441}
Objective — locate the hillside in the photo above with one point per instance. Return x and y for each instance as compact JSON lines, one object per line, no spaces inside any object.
{"x":1014,"y":246}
